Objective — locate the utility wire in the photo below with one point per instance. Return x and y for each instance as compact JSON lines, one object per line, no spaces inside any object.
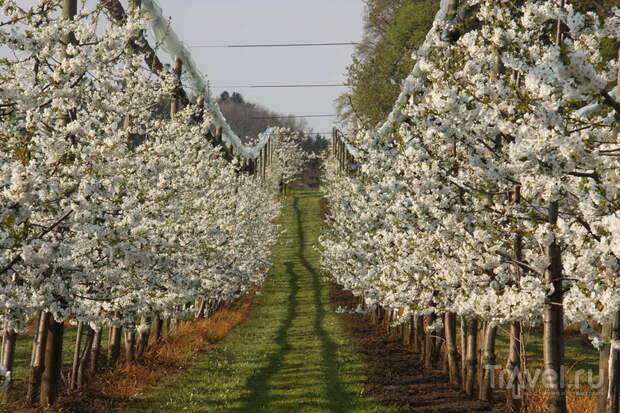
{"x":279,"y":86}
{"x":294,"y":117}
{"x":239,"y":46}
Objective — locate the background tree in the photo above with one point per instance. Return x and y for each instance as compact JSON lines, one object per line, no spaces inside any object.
{"x":393,"y":30}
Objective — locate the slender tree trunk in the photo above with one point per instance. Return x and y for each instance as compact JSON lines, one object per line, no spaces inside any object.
{"x":114,"y":345}
{"x":418,"y":336}
{"x":407,"y":333}
{"x":94,"y":352}
{"x":8,"y":352}
{"x":201,"y":309}
{"x":37,"y":364}
{"x":553,"y":314}
{"x":76,"y":356}
{"x":613,"y":389}
{"x":157,"y":327}
{"x":50,"y":381}
{"x":83,"y":363}
{"x":429,"y":342}
{"x":463,"y":352}
{"x":143,"y":338}
{"x":513,"y":370}
{"x":488,"y":363}
{"x":388,"y":321}
{"x":553,"y":325}
{"x":130,"y":346}
{"x":482,"y":328}
{"x":451,"y":352}
{"x":513,"y":398}
{"x":472,"y":351}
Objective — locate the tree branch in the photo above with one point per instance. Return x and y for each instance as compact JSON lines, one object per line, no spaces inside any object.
{"x":41,"y":235}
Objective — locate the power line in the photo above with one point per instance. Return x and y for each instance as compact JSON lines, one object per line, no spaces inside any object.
{"x":299,"y":116}
{"x":280,"y":86}
{"x":239,"y":46}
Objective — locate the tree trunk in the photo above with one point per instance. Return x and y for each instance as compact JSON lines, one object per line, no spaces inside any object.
{"x":94,"y":352}
{"x":613,"y":390}
{"x":143,"y":338}
{"x":50,"y":381}
{"x":471,"y":358}
{"x":553,"y":324}
{"x":513,"y":398}
{"x":463,"y":351}
{"x":418,"y":336}
{"x":130,"y":346}
{"x":83,"y":363}
{"x":201,"y":309}
{"x":114,"y":343}
{"x":407,"y":332}
{"x":76,"y":356}
{"x":429,"y":342}
{"x":157,"y":327}
{"x":37,"y":363}
{"x":488,"y":363}
{"x":604,"y":369}
{"x":8,"y":350}
{"x":451,"y":352}
{"x":389,"y":315}
{"x":482,"y":328}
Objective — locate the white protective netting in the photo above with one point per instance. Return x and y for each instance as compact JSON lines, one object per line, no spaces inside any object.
{"x":169,"y":41}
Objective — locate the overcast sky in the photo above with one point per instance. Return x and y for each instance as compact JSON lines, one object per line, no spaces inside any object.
{"x":224,"y":22}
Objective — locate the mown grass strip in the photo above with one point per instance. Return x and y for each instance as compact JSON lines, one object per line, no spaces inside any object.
{"x":291,"y":356}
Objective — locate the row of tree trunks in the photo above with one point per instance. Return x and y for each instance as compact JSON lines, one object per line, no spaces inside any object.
{"x":474,"y":371}
{"x":47,"y":346}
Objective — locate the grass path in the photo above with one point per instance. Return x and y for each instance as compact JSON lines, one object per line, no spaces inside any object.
{"x":291,"y":356}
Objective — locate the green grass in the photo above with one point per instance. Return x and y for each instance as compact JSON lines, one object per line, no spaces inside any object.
{"x":292,"y":355}
{"x":577,"y":354}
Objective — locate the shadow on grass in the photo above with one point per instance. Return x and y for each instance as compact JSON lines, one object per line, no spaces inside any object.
{"x":338,"y":398}
{"x":258,"y":384}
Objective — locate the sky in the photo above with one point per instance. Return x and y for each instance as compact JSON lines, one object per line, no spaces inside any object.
{"x":224,"y":22}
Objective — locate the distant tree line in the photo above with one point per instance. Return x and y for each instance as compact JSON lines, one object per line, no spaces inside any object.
{"x":249,"y":119}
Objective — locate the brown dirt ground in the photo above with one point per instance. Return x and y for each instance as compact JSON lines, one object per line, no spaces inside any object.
{"x":396,"y":376}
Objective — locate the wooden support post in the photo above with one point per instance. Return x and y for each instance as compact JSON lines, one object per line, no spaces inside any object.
{"x":175,"y":102}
